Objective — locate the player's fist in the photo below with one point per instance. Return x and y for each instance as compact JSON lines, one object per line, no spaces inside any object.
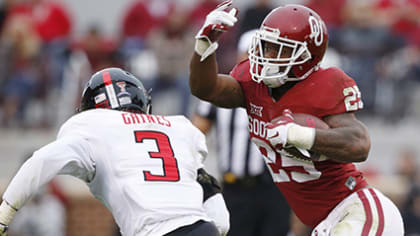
{"x":217,"y":22}
{"x":278,"y":128}
{"x":3,"y":229}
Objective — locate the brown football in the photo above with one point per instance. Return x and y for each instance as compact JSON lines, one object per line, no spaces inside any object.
{"x":308,"y":121}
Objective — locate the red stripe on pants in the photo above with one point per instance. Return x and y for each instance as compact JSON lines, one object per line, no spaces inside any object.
{"x":366,"y":206}
{"x":380,"y":213}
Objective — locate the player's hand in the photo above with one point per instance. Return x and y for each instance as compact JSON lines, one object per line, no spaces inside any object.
{"x":3,"y":229}
{"x":217,"y":22}
{"x":277,"y":131}
{"x":6,"y":215}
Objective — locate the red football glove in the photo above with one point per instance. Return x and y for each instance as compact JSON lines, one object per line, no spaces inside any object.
{"x":217,"y":22}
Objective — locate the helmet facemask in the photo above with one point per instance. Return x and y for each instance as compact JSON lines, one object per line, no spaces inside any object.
{"x":275,"y":71}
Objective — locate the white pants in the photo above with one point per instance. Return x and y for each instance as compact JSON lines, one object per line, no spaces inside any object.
{"x":366,"y":212}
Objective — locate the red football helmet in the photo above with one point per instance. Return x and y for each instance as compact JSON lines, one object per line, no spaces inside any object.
{"x":293,"y":28}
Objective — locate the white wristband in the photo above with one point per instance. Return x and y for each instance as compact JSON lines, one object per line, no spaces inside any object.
{"x":6,"y":213}
{"x":204,"y":48}
{"x":301,"y":136}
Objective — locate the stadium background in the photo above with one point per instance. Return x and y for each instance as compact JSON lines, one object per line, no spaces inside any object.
{"x":392,"y":113}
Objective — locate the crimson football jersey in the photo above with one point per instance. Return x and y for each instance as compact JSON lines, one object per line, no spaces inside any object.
{"x":312,"y":189}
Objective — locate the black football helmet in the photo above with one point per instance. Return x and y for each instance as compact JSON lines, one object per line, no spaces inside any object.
{"x":114,"y":88}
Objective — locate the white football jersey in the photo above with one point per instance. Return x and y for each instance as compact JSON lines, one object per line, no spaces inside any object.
{"x":143,"y":168}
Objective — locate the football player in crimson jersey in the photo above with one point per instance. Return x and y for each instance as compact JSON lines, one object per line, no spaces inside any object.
{"x":283,"y":75}
{"x":146,"y":169}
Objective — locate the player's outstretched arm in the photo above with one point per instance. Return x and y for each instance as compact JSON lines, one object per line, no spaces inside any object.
{"x":64,"y":156}
{"x":347,"y":140}
{"x":205,"y":82}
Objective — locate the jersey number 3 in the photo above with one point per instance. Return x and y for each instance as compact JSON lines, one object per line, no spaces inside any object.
{"x":169,"y":163}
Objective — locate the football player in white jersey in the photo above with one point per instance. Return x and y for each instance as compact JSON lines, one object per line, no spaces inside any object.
{"x":146,"y":169}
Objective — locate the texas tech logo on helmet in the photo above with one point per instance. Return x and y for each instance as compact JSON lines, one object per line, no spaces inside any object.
{"x":123,"y":95}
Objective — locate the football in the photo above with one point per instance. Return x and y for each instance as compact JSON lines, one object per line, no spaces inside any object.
{"x":308,"y":121}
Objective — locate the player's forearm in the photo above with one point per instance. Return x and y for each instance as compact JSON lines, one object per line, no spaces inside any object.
{"x":342,"y":144}
{"x":30,"y":177}
{"x":62,"y":156}
{"x":203,"y":76}
{"x":33,"y":174}
{"x":214,"y":204}
{"x":216,"y":209}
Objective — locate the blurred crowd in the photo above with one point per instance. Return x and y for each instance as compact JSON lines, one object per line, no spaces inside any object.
{"x":44,"y":65}
{"x":409,"y":204}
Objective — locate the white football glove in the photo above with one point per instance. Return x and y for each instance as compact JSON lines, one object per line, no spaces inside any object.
{"x":285,"y":132}
{"x":278,"y":130}
{"x":6,"y":215}
{"x":3,"y":229}
{"x":217,"y":22}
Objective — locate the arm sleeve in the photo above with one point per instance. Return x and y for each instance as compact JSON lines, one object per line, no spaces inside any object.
{"x":216,"y":209}
{"x":214,"y":204}
{"x":68,"y":155}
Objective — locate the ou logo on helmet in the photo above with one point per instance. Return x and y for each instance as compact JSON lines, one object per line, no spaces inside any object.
{"x":317,"y":33}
